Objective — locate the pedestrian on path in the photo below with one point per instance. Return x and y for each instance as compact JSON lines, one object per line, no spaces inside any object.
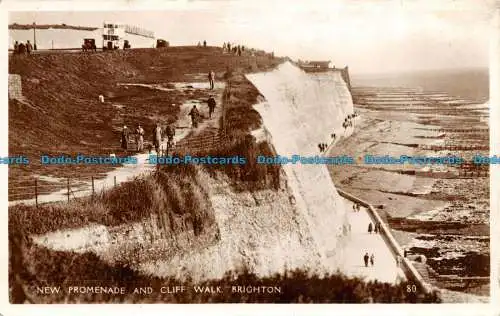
{"x":366,"y":258}
{"x":139,"y":138}
{"x":354,"y":207}
{"x":125,"y":138}
{"x":211,"y":105}
{"x":157,"y":136}
{"x":372,"y":259}
{"x":378,"y":228}
{"x":358,"y":207}
{"x":29,"y":47}
{"x":370,"y":228}
{"x":170,"y":131}
{"x":211,"y":78}
{"x":194,"y":113}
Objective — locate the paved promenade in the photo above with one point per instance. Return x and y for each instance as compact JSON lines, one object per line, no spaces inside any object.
{"x":359,"y":242}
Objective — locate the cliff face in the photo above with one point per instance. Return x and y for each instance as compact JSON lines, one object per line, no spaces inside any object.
{"x":302,"y":110}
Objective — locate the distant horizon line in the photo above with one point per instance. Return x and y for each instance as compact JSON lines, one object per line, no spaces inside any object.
{"x":409,"y":71}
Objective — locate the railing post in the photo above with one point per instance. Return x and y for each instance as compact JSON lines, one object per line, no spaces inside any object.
{"x":36,"y":193}
{"x":67,"y":181}
{"x":92,"y":196}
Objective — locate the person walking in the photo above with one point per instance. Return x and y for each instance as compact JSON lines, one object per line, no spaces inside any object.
{"x":379,"y":227}
{"x":157,"y":133}
{"x":139,"y":138}
{"x":372,"y":259}
{"x":16,"y":47}
{"x":125,"y":138}
{"x":211,"y":105}
{"x":370,"y":228}
{"x":22,"y":49}
{"x":398,"y":261}
{"x":366,"y":258}
{"x":170,"y":131}
{"x":29,"y":47}
{"x":194,"y":113}
{"x":376,"y":228}
{"x":204,"y":43}
{"x":211,"y":78}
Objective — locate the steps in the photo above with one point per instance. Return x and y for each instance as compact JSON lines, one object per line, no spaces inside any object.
{"x":15,"y":87}
{"x":429,"y":275}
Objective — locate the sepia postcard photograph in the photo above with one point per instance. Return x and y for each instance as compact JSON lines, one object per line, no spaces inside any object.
{"x":249,"y":152}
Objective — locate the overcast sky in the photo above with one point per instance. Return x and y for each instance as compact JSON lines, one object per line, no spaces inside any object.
{"x":370,"y":36}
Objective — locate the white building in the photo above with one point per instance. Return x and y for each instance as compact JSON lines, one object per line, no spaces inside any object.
{"x":66,"y":38}
{"x":115,"y":35}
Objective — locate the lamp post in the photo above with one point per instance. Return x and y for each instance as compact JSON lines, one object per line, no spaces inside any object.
{"x":34,"y":36}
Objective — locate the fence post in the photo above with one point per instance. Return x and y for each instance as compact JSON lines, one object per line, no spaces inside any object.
{"x":115,"y":180}
{"x":68,"y":188}
{"x":36,"y":193}
{"x":92,"y":196}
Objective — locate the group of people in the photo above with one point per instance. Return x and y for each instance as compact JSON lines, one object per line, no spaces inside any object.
{"x":367,"y":258}
{"x":374,"y":228}
{"x":348,"y":121}
{"x":23,"y":49}
{"x":235,"y":49}
{"x":322,"y":147}
{"x":158,"y":134}
{"x":356,"y":207}
{"x":195,"y":113}
{"x":204,"y":44}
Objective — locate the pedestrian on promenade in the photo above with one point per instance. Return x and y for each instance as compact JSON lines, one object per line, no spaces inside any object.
{"x":370,"y":228}
{"x":204,"y":43}
{"x":376,"y":228}
{"x":16,"y":47}
{"x":359,"y":207}
{"x":398,"y":261}
{"x":372,"y":259}
{"x":366,"y":258}
{"x":139,"y":138}
{"x":354,"y":207}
